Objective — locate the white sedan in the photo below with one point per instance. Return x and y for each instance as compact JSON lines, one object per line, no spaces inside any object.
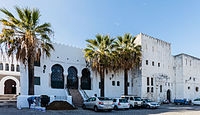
{"x":196,"y":101}
{"x":120,"y":103}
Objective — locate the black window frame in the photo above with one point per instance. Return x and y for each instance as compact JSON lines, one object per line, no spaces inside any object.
{"x":113,"y":83}
{"x":7,"y":67}
{"x":152,"y":81}
{"x":37,"y":82}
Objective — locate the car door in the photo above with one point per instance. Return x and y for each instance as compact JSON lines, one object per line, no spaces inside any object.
{"x":93,"y":102}
{"x":87,"y":103}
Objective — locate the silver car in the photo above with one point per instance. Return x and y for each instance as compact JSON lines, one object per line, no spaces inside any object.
{"x":147,"y":103}
{"x":98,"y":103}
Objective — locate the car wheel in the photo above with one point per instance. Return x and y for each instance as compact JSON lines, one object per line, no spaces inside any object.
{"x":84,"y":107}
{"x":148,"y":107}
{"x":115,"y":108}
{"x":109,"y":110}
{"x":96,"y":109}
{"x":131,"y":106}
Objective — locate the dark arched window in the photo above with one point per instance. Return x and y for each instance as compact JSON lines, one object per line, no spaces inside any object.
{"x":12,"y":67}
{"x":17,"y":68}
{"x":7,"y":67}
{"x":1,"y":66}
{"x":85,"y":79}
{"x":57,"y":77}
{"x":72,"y":78}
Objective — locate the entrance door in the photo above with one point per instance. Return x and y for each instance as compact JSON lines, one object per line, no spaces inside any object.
{"x":10,"y":87}
{"x":72,"y":78}
{"x":169,"y":95}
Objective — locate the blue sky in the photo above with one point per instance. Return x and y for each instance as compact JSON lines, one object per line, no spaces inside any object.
{"x":74,"y":21}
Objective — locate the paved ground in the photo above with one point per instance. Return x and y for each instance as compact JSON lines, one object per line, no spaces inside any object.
{"x":163,"y":110}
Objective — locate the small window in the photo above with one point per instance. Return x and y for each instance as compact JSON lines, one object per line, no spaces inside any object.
{"x":190,"y":63}
{"x":36,"y":80}
{"x":168,"y":84}
{"x":152,"y":63}
{"x":1,"y":66}
{"x":161,"y":88}
{"x":12,"y":67}
{"x":147,"y":80}
{"x":118,"y":83}
{"x":7,"y":67}
{"x":152,"y":89}
{"x":152,"y":81}
{"x":17,"y":68}
{"x":128,"y":84}
{"x":188,"y":87}
{"x":147,"y":89}
{"x":197,"y":89}
{"x":37,"y":63}
{"x":158,"y":64}
{"x":99,"y":85}
{"x":146,"y":62}
{"x":113,"y":83}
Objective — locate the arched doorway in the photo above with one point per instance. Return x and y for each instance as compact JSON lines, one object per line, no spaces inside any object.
{"x":72,"y":78}
{"x":169,"y":95}
{"x":85,"y":79}
{"x":10,"y":87}
{"x":57,"y":76}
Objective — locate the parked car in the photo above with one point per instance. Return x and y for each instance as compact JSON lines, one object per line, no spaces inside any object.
{"x":133,"y":101}
{"x":147,"y":103}
{"x":165,"y":101}
{"x":99,"y":103}
{"x":196,"y":101}
{"x":181,"y":101}
{"x":120,"y":103}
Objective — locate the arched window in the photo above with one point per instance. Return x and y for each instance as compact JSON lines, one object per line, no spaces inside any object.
{"x":85,"y":79}
{"x":1,"y":66}
{"x":57,"y":77}
{"x":17,"y":68}
{"x":72,"y":78}
{"x":12,"y":67}
{"x":7,"y":67}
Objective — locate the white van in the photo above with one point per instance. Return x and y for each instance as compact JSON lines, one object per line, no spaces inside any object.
{"x":133,"y":101}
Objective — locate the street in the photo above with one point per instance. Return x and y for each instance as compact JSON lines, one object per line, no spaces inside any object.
{"x":163,"y":110}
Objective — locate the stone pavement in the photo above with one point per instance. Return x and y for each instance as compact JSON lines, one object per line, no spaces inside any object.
{"x":163,"y":110}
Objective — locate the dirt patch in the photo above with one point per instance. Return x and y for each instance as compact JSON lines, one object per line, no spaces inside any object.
{"x":60,"y":105}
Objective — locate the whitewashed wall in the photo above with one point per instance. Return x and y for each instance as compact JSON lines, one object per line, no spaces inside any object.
{"x":187,"y":76}
{"x":157,"y":51}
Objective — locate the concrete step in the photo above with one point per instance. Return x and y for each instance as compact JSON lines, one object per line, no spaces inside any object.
{"x":77,"y":99}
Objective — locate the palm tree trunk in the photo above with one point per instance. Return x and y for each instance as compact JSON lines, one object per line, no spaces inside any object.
{"x":31,"y":75}
{"x":125,"y":82}
{"x":102,"y":82}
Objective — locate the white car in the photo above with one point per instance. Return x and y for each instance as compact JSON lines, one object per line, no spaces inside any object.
{"x":120,"y":103}
{"x":133,"y":101}
{"x":196,"y":101}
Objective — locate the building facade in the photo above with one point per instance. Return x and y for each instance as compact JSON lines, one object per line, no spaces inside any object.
{"x":9,"y":75}
{"x":161,"y":76}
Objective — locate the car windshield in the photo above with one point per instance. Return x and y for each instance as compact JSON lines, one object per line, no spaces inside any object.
{"x":125,"y":98}
{"x":104,"y":99}
{"x":123,"y":101}
{"x":137,"y":98}
{"x":148,"y":100}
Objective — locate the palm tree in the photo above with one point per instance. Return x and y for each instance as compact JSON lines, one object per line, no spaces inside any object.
{"x":26,"y":38}
{"x":98,"y":55}
{"x":129,"y":55}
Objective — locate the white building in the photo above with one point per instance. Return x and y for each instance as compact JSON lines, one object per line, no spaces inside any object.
{"x":9,"y":75}
{"x":160,"y":76}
